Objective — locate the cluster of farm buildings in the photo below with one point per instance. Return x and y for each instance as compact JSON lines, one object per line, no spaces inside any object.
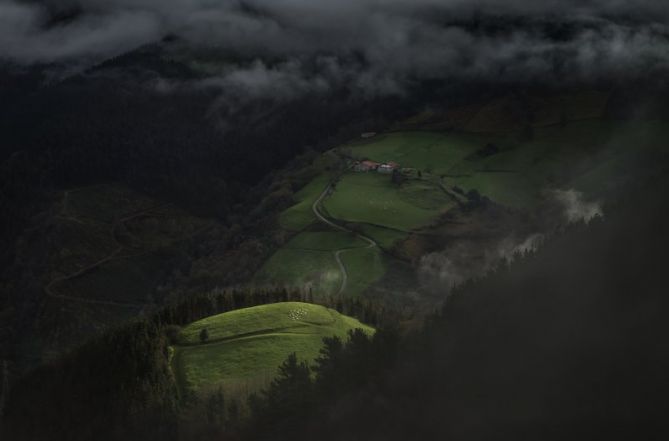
{"x":380,"y":167}
{"x":367,"y":166}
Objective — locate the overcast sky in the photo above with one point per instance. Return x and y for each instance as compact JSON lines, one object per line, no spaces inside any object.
{"x":391,"y":41}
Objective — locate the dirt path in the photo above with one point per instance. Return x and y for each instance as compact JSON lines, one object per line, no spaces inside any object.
{"x":371,"y":243}
{"x":49,"y":289}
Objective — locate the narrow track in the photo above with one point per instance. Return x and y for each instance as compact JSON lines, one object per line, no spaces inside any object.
{"x":337,"y":253}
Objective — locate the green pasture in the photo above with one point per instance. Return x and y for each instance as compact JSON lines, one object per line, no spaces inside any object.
{"x":435,"y":152}
{"x":249,"y":344}
{"x":372,"y":198}
{"x":300,"y":215}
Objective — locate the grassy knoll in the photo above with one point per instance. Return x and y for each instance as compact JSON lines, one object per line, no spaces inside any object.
{"x":247,"y":345}
{"x":372,"y":198}
{"x":300,"y":216}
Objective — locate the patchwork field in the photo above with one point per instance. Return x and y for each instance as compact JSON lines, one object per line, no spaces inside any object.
{"x":372,"y":198}
{"x":246,"y":346}
{"x":309,"y":261}
{"x":568,"y":145}
{"x":436,"y":152}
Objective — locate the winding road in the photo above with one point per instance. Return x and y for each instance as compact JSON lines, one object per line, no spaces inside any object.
{"x":337,"y":254}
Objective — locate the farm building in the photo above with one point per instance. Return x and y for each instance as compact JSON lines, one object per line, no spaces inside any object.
{"x":368,"y":135}
{"x":365,"y":166}
{"x":388,"y":167}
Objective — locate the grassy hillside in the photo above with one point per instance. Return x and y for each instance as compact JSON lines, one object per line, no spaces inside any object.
{"x":246,"y":346}
{"x":502,"y":154}
{"x":434,"y":151}
{"x":300,"y":215}
{"x":372,"y":198}
{"x":308,"y":260}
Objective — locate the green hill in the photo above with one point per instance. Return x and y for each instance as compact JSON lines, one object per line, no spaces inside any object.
{"x":246,"y":346}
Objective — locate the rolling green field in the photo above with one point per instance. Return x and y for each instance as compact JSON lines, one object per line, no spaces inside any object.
{"x":588,"y":154}
{"x":372,"y":198}
{"x":246,"y":346}
{"x":514,"y":176}
{"x":434,"y":151}
{"x":308,"y":261}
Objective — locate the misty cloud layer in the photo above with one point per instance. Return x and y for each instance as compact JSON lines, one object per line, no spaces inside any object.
{"x":468,"y":260}
{"x":576,"y":207}
{"x":464,"y":261}
{"x":388,"y":43}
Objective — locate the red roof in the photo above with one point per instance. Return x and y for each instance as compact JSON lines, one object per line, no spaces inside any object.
{"x":370,"y":163}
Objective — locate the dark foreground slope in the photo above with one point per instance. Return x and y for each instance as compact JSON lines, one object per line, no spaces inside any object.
{"x":569,"y":343}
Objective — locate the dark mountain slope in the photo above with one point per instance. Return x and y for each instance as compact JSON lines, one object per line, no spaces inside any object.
{"x":566,"y":344}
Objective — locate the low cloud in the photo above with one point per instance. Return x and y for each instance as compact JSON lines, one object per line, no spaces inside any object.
{"x":465,"y":260}
{"x":575,"y":206}
{"x":388,"y":43}
{"x":25,"y":37}
{"x":442,"y":271}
